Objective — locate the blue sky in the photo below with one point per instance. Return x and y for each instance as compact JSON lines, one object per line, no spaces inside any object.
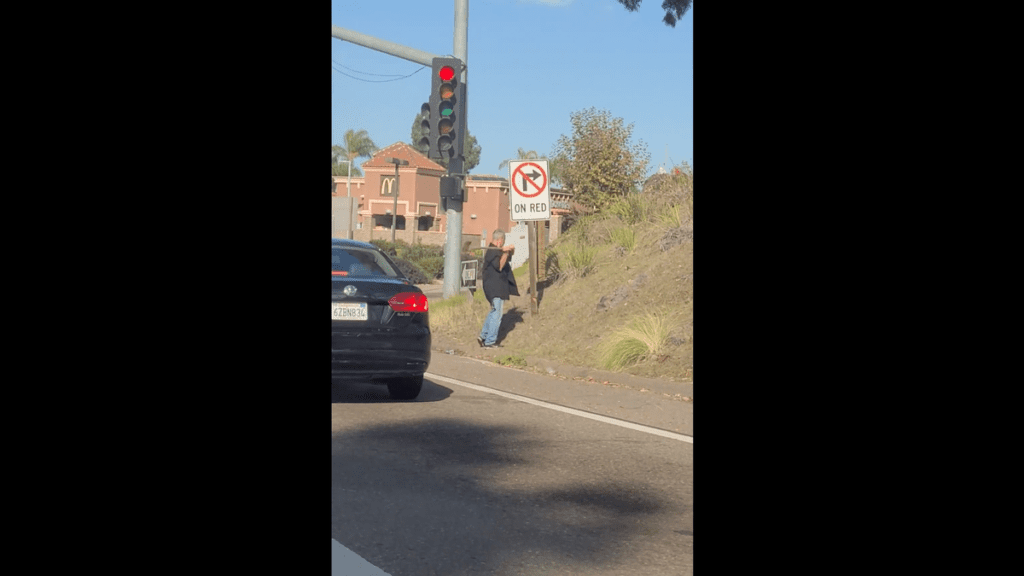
{"x":532,"y":63}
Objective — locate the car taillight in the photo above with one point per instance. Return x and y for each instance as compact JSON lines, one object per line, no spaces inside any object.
{"x":409,"y":302}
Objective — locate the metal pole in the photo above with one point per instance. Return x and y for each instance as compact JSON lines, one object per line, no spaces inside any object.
{"x":350,"y":207}
{"x":394,"y":208}
{"x":394,"y":191}
{"x":453,"y":207}
{"x":532,"y":243}
{"x":404,"y":52}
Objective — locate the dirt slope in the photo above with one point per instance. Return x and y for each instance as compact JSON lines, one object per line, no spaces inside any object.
{"x":577,"y":315}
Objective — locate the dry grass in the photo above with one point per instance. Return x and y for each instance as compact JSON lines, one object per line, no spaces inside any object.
{"x":571,"y":329}
{"x":451,"y":316}
{"x":571,"y":260}
{"x":624,"y":237}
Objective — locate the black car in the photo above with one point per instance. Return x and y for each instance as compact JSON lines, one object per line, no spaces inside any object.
{"x":380,"y":324}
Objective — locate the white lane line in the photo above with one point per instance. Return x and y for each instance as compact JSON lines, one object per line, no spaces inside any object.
{"x":574,"y":412}
{"x":345,"y":562}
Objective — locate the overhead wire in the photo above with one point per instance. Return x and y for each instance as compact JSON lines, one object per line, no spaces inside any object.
{"x":396,"y":76}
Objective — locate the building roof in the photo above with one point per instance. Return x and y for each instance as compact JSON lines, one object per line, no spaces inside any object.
{"x":402,"y":151}
{"x":488,"y":177}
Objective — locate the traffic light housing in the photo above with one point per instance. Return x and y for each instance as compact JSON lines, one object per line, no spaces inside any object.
{"x":451,"y":187}
{"x":426,"y":142}
{"x":446,"y":128}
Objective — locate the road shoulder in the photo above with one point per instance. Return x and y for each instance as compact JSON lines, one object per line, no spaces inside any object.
{"x":647,"y":403}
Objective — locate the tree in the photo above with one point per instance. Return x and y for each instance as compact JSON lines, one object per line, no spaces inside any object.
{"x":471,"y":150}
{"x":341,"y":169}
{"x":597,"y":162}
{"x":674,"y":9}
{"x":554,"y":177}
{"x":523,"y":155}
{"x":355,"y":145}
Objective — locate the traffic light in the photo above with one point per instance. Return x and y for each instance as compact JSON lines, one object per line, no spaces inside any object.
{"x":426,"y":142}
{"x":447,"y":106}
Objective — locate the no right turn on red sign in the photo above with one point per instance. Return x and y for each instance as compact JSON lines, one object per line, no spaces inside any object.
{"x":528,"y":181}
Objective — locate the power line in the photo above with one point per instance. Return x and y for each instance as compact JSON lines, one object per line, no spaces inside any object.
{"x":397,"y":76}
{"x":360,"y":72}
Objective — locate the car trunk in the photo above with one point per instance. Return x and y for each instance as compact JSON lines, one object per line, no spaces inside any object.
{"x":381,"y":319}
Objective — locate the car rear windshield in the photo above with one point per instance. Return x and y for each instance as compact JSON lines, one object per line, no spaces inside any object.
{"x":350,"y":261}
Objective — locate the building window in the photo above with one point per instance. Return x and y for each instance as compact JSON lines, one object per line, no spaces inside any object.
{"x":384,"y":221}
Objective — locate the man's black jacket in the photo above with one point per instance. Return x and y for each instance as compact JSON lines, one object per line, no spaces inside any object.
{"x":498,"y":283}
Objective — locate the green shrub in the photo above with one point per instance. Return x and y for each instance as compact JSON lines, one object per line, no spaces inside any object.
{"x":413,"y":272}
{"x":420,"y":251}
{"x":432,"y":266}
{"x":390,"y":248}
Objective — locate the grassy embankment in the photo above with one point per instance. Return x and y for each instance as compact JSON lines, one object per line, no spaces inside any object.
{"x":616,"y":292}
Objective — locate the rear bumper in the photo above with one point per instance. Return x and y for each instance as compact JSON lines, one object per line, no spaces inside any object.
{"x":363,"y":358}
{"x":363,"y":366}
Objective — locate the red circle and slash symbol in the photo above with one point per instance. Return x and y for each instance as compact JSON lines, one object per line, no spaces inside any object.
{"x":518,"y":174}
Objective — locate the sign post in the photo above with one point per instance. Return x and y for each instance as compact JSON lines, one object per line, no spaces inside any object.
{"x":530,"y":201}
{"x":394,"y":190}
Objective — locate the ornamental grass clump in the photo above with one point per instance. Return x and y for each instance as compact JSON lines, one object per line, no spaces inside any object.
{"x":646,"y":337}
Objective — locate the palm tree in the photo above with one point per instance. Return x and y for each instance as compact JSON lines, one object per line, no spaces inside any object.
{"x":356,"y":145}
{"x":522,"y":155}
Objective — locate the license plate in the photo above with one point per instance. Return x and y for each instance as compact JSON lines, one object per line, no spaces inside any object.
{"x":348,"y":310}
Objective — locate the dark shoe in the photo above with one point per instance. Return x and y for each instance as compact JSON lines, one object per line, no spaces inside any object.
{"x":493,"y":346}
{"x":480,"y":341}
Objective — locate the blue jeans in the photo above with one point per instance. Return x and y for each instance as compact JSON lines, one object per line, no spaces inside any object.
{"x":489,"y":333}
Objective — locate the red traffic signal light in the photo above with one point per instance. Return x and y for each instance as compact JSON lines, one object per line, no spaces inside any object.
{"x":445,"y":125}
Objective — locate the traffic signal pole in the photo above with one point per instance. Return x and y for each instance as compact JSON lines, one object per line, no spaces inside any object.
{"x":453,"y":206}
{"x":390,"y":48}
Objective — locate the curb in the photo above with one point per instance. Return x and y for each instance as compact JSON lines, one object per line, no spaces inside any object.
{"x":561,"y":371}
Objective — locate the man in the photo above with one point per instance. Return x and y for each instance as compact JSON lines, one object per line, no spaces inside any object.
{"x":499,"y":284}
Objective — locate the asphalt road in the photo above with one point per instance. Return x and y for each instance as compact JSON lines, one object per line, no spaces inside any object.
{"x":462,"y":481}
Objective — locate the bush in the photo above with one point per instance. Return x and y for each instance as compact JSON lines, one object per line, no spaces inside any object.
{"x":432,"y":266}
{"x":391,"y":249}
{"x":428,"y":259}
{"x":419,"y":251}
{"x":413,"y":272}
